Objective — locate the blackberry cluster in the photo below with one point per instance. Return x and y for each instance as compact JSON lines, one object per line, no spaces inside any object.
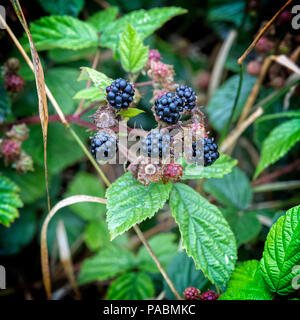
{"x":120,"y":94}
{"x":188,"y":97}
{"x":157,"y":144}
{"x":168,"y":108}
{"x":210,"y":151}
{"x":104,"y":146}
{"x":209,"y":295}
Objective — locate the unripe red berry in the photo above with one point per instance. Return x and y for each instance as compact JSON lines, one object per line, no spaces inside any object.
{"x":285,"y":17}
{"x":209,"y":295}
{"x":154,"y":55}
{"x":264,"y":45}
{"x":13,"y":83}
{"x":253,"y":68}
{"x":174,"y":171}
{"x":191,"y":293}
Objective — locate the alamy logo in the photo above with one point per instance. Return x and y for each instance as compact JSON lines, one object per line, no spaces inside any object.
{"x":3,"y":16}
{"x":2,"y":278}
{"x":296,"y":18}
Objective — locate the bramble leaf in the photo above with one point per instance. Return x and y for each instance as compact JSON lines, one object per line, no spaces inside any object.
{"x":131,"y":286}
{"x":281,"y":253}
{"x":278,"y":143}
{"x":129,"y":202}
{"x":206,"y":235}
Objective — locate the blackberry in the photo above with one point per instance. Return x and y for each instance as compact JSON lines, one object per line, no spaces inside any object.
{"x":188,"y":97}
{"x":209,"y":295}
{"x":156,"y":145}
{"x":191,"y":293}
{"x":168,"y":108}
{"x":173,"y":171}
{"x":104,"y":146}
{"x":210,"y":151}
{"x":120,"y":94}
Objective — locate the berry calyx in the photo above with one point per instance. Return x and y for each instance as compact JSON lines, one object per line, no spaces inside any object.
{"x":168,"y":107}
{"x":188,"y":97}
{"x":156,"y":145}
{"x":120,"y":94}
{"x":209,"y":295}
{"x":174,"y":171}
{"x":10,"y":150}
{"x":14,"y":83}
{"x":191,"y":293}
{"x":104,"y":146}
{"x":154,"y":55}
{"x":206,"y":150}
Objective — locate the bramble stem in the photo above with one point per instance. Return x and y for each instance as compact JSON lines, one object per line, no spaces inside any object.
{"x":158,"y":264}
{"x":266,"y":27}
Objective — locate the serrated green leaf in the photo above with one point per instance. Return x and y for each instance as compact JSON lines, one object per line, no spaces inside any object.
{"x":19,"y":234}
{"x":131,"y":286}
{"x":63,"y":84}
{"x":101,"y":19}
{"x":63,"y":32}
{"x":220,"y":105}
{"x":107,"y":263}
{"x":131,"y":112}
{"x":100,"y":80}
{"x":183,"y":274}
{"x":68,"y":55}
{"x":206,"y":235}
{"x":245,"y":225}
{"x":281,"y":253}
{"x":165,"y":253}
{"x":129,"y":202}
{"x":68,"y":7}
{"x":218,"y":169}
{"x":246,"y":283}
{"x":85,"y":183}
{"x":133,"y":53}
{"x":278,"y":143}
{"x":5,"y":105}
{"x":145,"y":22}
{"x":233,"y":190}
{"x":91,"y":94}
{"x":9,"y":201}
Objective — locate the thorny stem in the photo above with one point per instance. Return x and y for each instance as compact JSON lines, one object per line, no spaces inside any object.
{"x":145,"y":83}
{"x":266,"y":27}
{"x":90,"y":157}
{"x":158,"y":264}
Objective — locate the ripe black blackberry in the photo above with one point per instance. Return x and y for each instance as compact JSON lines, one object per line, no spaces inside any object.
{"x":168,"y":107}
{"x":188,"y":97}
{"x":205,"y":150}
{"x":120,"y":94}
{"x":104,"y":146}
{"x":156,"y":145}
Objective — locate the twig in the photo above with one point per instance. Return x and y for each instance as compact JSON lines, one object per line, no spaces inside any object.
{"x":220,"y":61}
{"x":158,"y":264}
{"x":239,"y":130}
{"x":94,"y":66}
{"x":251,"y":99}
{"x":266,"y":27}
{"x":274,"y":175}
